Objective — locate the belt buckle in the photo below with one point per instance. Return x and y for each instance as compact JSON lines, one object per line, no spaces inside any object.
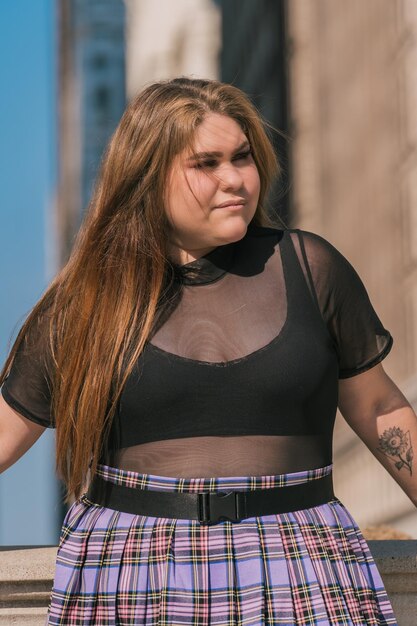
{"x":214,"y":507}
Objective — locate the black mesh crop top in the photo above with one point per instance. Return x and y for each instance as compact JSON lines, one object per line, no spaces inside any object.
{"x":240,"y":375}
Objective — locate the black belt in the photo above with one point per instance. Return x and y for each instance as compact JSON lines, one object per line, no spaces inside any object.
{"x":211,"y":507}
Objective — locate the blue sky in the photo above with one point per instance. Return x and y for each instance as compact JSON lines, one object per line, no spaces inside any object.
{"x":27,"y":147}
{"x":28,"y":172}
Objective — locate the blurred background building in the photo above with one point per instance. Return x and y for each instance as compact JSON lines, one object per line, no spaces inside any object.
{"x":92,"y":97}
{"x":339,"y":80}
{"x":352,"y":109}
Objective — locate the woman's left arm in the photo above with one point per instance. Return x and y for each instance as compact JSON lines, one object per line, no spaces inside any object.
{"x":381,"y":416}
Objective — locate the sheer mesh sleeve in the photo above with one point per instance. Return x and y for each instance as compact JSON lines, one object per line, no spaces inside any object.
{"x":361,"y":341}
{"x":27,"y":388}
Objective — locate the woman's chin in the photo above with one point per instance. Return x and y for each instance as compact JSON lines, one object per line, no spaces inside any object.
{"x":234,"y":227}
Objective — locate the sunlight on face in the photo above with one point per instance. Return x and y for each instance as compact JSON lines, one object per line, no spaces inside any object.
{"x":197,"y":185}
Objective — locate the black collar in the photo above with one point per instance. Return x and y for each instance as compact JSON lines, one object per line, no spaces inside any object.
{"x":207,"y":268}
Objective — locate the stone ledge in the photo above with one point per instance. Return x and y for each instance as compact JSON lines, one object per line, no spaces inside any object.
{"x":26,"y":563}
{"x":397,"y":564}
{"x":23,"y":617}
{"x":26,"y":575}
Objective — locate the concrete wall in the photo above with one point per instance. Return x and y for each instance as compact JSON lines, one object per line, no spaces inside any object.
{"x":353,"y":97}
{"x":166,"y":39}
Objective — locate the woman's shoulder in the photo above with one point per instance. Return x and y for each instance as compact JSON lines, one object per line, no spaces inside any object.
{"x":316,"y":248}
{"x":311,"y":242}
{"x":257,"y":230}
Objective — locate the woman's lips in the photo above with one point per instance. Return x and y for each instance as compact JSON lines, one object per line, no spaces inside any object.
{"x":230,"y":202}
{"x":232,"y":207}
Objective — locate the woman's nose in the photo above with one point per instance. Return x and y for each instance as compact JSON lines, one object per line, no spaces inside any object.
{"x":231,"y":177}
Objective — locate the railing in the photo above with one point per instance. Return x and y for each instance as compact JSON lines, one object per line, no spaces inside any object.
{"x":26,"y":579}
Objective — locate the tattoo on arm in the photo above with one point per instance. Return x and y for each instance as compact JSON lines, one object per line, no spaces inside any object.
{"x":396,"y":445}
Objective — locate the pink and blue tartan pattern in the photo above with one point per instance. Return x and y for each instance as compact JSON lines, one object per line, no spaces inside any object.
{"x":308,"y":567}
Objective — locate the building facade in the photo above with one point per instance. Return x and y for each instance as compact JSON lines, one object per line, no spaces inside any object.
{"x":92,"y":98}
{"x":166,"y":39}
{"x":353,"y":86}
{"x":253,"y":58}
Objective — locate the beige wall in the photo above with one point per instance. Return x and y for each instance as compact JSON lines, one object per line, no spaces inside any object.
{"x":165,"y":39}
{"x":353,"y":108}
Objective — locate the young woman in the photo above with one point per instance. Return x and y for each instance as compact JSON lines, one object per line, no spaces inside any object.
{"x":191,"y":355}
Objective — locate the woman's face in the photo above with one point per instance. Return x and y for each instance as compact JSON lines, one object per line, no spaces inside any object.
{"x":197,"y":223}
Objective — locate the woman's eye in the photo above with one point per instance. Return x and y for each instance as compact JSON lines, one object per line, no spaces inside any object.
{"x":242,"y":155}
{"x":205,"y":164}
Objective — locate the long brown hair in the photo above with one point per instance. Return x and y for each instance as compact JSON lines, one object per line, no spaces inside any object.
{"x":101,"y":305}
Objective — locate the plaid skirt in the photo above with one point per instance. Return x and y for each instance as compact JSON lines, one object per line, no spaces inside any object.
{"x":307,"y":567}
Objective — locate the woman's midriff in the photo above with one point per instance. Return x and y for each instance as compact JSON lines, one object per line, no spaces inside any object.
{"x":243,"y":455}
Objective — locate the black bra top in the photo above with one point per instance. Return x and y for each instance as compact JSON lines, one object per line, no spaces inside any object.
{"x":251,"y":339}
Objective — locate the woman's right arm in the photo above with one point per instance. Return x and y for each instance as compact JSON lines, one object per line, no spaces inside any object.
{"x":17,"y":435}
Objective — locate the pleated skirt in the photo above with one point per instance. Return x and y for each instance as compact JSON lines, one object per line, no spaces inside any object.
{"x":307,"y":567}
